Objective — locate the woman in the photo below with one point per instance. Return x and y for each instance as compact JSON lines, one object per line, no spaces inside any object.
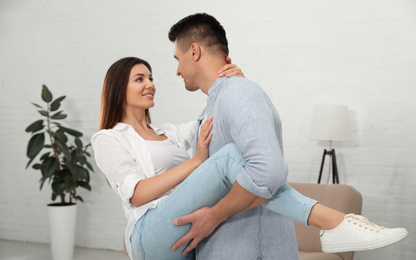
{"x":149,"y":168}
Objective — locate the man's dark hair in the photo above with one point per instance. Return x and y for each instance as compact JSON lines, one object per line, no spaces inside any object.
{"x":200,"y":28}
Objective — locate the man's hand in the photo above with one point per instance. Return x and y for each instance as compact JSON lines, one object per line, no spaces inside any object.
{"x":204,"y":221}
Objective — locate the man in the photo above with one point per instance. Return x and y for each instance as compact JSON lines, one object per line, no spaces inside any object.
{"x":243,"y":114}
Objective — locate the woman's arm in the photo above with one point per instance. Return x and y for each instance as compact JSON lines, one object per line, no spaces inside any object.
{"x":152,"y":188}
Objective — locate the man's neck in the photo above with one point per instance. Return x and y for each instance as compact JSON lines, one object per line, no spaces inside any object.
{"x":209,"y":72}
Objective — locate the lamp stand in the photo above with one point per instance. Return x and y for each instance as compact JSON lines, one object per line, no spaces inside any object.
{"x":331,"y":153}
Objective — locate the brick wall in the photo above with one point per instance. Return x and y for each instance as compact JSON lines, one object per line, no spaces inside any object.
{"x":354,"y":53}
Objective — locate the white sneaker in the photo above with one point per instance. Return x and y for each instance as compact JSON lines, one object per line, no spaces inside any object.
{"x":356,"y":233}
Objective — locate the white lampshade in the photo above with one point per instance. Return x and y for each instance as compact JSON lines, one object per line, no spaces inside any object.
{"x":330,"y":123}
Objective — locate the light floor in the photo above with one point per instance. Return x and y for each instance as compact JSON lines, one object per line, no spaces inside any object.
{"x":13,"y":250}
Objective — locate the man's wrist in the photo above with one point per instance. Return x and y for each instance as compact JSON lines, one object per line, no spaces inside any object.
{"x":220,"y":213}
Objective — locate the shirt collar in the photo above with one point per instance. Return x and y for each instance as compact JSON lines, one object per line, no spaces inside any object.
{"x":123,"y":127}
{"x":216,"y":87}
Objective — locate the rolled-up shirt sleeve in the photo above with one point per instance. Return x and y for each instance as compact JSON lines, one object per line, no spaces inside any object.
{"x":120,"y":168}
{"x":255,"y":128}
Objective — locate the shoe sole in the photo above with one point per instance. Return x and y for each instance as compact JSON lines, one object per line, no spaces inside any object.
{"x":338,"y":248}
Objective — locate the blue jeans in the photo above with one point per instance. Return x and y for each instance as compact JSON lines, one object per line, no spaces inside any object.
{"x":154,"y":234}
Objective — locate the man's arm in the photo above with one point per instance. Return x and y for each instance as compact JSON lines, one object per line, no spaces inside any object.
{"x":205,"y":220}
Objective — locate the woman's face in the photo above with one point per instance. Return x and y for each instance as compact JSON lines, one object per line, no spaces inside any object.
{"x":140,"y":88}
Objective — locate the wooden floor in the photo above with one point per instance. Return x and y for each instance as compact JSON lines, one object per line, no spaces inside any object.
{"x":13,"y":250}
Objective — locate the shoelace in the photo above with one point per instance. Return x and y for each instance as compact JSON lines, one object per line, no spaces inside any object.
{"x":363,"y":222}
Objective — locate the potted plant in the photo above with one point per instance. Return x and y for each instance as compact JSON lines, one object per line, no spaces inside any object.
{"x":63,"y":165}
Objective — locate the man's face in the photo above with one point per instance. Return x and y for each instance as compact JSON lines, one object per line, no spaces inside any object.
{"x":186,"y":67}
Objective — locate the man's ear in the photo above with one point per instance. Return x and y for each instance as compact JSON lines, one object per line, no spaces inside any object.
{"x":196,"y":51}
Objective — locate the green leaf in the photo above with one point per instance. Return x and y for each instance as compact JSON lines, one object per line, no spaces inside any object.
{"x":36,"y":166}
{"x":53,"y":196}
{"x":58,"y":115}
{"x":60,"y":136}
{"x":87,"y":179}
{"x":81,"y":159}
{"x":84,"y":185}
{"x":36,"y":105}
{"x":63,"y":174}
{"x":29,"y":162}
{"x":45,"y":155}
{"x":78,"y":143}
{"x":72,"y":132}
{"x":46,"y":94}
{"x":56,"y":103}
{"x":79,"y":198}
{"x":78,"y":172}
{"x":35,"y":145}
{"x":35,"y":126}
{"x":90,"y":166}
{"x":64,"y":148}
{"x":73,"y":185}
{"x":58,"y":187}
{"x":49,"y":166}
{"x":43,"y":112}
{"x":42,"y":181}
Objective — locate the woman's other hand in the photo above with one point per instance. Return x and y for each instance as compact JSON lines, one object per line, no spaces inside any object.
{"x":230,"y":70}
{"x":204,"y":138}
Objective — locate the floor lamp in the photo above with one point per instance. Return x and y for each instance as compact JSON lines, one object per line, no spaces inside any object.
{"x":330,"y":123}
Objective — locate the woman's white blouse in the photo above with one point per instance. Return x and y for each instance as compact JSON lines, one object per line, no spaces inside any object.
{"x":124,"y":158}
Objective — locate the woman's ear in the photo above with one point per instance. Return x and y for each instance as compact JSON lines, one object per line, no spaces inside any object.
{"x":196,"y":51}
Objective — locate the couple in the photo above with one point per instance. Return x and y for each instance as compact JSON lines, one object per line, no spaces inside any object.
{"x":172,"y":202}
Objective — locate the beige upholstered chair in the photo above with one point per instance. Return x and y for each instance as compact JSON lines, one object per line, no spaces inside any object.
{"x":338,"y":196}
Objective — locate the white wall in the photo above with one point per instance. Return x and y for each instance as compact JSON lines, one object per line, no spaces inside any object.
{"x":356,"y":53}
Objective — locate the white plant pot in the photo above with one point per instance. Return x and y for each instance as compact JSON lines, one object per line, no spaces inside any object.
{"x":62,"y":220}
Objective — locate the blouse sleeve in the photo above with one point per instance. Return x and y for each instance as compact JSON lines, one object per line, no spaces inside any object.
{"x":120,"y":168}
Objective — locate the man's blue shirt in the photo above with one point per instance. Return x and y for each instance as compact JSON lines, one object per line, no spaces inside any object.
{"x":243,"y":114}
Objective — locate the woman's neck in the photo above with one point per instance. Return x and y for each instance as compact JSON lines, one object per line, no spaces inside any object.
{"x":137,"y":119}
{"x":138,"y":122}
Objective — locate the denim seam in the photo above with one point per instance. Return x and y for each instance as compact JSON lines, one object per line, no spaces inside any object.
{"x":231,"y":158}
{"x":140,"y":236}
{"x":306,"y":209}
{"x":241,"y":165}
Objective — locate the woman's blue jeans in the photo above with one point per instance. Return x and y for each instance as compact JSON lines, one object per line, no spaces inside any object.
{"x":154,"y":234}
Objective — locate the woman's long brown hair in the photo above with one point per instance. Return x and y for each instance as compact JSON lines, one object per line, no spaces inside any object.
{"x":114,"y":92}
